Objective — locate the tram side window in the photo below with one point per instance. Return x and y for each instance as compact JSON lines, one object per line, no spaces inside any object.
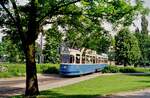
{"x":94,"y":59}
{"x":71,"y":59}
{"x":106,"y":60}
{"x":91,"y":59}
{"x":83,"y":59}
{"x":87,"y":59}
{"x":77,"y":58}
{"x":102,"y":60}
{"x":97,"y":61}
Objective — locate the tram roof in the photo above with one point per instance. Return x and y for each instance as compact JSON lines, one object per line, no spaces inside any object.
{"x":88,"y":52}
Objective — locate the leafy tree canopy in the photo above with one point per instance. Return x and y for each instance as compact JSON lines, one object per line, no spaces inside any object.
{"x":127,"y":48}
{"x":25,"y":22}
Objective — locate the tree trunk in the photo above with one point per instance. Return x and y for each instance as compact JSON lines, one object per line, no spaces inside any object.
{"x":31,"y":77}
{"x":125,"y":63}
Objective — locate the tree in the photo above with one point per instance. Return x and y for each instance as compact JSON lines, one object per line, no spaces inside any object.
{"x":24,"y":22}
{"x":53,"y":40}
{"x":99,"y":41}
{"x":127,"y":48}
{"x":147,"y":49}
{"x":144,"y":44}
{"x":10,"y":51}
{"x":143,"y":39}
{"x":144,"y":25}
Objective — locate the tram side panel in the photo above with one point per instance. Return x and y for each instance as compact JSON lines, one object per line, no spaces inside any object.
{"x":100,"y":67}
{"x":87,"y":68}
{"x":69,"y":69}
{"x":79,"y":69}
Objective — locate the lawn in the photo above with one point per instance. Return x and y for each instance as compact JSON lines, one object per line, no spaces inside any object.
{"x":98,"y":86}
{"x":20,"y":69}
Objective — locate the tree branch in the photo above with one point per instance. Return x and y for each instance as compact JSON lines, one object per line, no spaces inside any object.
{"x":8,"y":12}
{"x":18,"y":22}
{"x":56,"y":8}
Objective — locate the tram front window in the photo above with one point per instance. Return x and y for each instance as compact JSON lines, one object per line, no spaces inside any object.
{"x":65,"y":58}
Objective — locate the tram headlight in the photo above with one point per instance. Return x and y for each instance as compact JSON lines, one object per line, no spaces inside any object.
{"x":65,"y":67}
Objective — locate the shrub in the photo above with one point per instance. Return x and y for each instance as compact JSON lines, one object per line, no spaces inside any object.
{"x":127,"y":70}
{"x":115,"y":69}
{"x":20,"y":69}
{"x":110,"y":69}
{"x":51,"y":70}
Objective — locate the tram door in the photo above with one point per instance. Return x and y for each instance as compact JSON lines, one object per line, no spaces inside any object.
{"x":72,"y":59}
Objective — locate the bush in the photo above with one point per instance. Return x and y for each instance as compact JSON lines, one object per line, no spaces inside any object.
{"x":20,"y":69}
{"x":110,"y":69}
{"x":127,"y":70}
{"x":115,"y":69}
{"x":51,"y":70}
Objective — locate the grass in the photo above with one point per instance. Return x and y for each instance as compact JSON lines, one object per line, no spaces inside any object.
{"x":129,"y":69}
{"x":20,"y":69}
{"x":98,"y":86}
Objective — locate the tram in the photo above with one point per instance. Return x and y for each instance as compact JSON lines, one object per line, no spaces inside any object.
{"x":81,"y":61}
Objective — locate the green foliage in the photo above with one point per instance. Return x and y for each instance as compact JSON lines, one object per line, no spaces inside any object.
{"x":116,"y":69}
{"x":146,"y":50}
{"x":53,"y":41}
{"x":84,"y":20}
{"x":23,"y":23}
{"x":9,"y":51}
{"x":51,"y":70}
{"x":128,"y":70}
{"x":144,"y":39}
{"x":19,"y":69}
{"x":110,"y":69}
{"x":144,"y":44}
{"x":12,"y":52}
{"x":144,"y":25}
{"x":100,"y":41}
{"x":127,"y":48}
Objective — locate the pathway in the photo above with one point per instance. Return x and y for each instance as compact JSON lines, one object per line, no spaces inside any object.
{"x":15,"y":86}
{"x":143,"y":93}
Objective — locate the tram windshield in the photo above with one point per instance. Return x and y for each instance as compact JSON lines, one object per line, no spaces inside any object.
{"x":65,"y":58}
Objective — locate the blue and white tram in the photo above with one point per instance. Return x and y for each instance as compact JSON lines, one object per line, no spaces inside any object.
{"x":78,"y":62}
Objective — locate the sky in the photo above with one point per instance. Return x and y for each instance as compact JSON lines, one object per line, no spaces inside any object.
{"x":138,"y":21}
{"x":108,"y":26}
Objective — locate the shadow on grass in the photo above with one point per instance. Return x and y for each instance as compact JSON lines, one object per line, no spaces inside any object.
{"x":138,"y":74}
{"x":145,"y":81}
{"x":51,"y":94}
{"x":7,"y":91}
{"x":141,"y":95}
